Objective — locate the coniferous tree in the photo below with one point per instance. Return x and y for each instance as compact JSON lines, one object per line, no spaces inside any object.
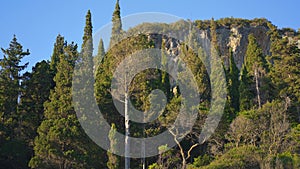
{"x":99,"y":56}
{"x":12,"y":147}
{"x":55,"y":145}
{"x":57,"y":51}
{"x":245,"y":92}
{"x":213,"y":34}
{"x":233,"y":83}
{"x":35,"y":91}
{"x":285,"y":73}
{"x":85,"y":59}
{"x":116,"y":32}
{"x":113,"y":160}
{"x":10,"y":78}
{"x":83,"y":82}
{"x":253,"y":76}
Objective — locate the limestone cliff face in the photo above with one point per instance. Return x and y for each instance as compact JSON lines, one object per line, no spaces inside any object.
{"x":234,"y":37}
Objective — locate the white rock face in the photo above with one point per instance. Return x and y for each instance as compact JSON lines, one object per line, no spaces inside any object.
{"x":235,"y":38}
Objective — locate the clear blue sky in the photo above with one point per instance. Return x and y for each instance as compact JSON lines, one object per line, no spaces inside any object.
{"x":37,"y":22}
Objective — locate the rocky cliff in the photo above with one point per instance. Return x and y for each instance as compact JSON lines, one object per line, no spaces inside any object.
{"x":231,"y":33}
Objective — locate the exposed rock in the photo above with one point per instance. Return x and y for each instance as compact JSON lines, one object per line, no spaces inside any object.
{"x":234,"y":36}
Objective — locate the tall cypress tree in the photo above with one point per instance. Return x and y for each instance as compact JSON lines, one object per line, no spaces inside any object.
{"x":213,"y":34}
{"x":113,"y":160}
{"x":256,"y":66}
{"x":85,"y":59}
{"x":57,"y":51}
{"x":87,"y":45}
{"x":245,"y":92}
{"x":254,"y":58}
{"x":116,"y":32}
{"x":233,"y":83}
{"x":84,"y":74}
{"x":99,"y":56}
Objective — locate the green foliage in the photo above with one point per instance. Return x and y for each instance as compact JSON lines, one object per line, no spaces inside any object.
{"x":10,"y":117}
{"x":237,"y":158}
{"x":285,"y":73}
{"x":10,"y":78}
{"x":233,"y":84}
{"x":253,"y":77}
{"x":213,"y":34}
{"x":61,"y":142}
{"x":100,"y":55}
{"x":57,"y":51}
{"x":245,"y":90}
{"x":254,"y":56}
{"x":35,"y":91}
{"x":259,"y":129}
{"x":167,"y":158}
{"x":113,"y":160}
{"x":201,"y":161}
{"x":116,"y":32}
{"x":52,"y":145}
{"x":283,"y":160}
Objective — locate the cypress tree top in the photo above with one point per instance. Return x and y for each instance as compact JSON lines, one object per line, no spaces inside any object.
{"x":88,"y":33}
{"x":116,"y":25}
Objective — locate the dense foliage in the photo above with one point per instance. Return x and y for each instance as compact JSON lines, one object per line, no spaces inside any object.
{"x":260,"y":127}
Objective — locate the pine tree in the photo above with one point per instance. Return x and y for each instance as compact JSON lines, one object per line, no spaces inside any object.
{"x":12,"y":147}
{"x":116,"y":32}
{"x":285,"y":73}
{"x":10,"y":78}
{"x":54,"y":145}
{"x":35,"y":91}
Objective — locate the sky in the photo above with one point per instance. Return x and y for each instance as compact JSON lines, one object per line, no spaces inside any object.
{"x":36,"y":23}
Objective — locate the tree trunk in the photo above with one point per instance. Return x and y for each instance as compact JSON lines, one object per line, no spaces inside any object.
{"x":183,"y":163}
{"x":143,"y":149}
{"x":257,"y":87}
{"x":127,"y":132}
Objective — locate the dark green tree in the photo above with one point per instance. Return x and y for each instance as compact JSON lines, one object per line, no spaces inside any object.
{"x":253,"y":75}
{"x":113,"y":160}
{"x":213,"y":34}
{"x":55,"y":145}
{"x":35,"y":91}
{"x":99,"y":56}
{"x":245,"y":93}
{"x":12,"y":147}
{"x":61,"y":142}
{"x":10,"y":78}
{"x":116,"y":32}
{"x":284,"y":71}
{"x":57,"y":51}
{"x":233,"y":84}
